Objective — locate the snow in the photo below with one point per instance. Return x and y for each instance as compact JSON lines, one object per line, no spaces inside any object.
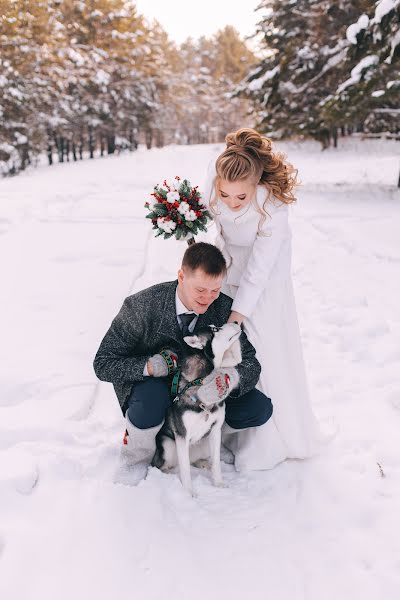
{"x":101,"y":77}
{"x":356,"y":73}
{"x":395,"y":41}
{"x":73,"y":243}
{"x":257,"y":84}
{"x":75,"y":56}
{"x":383,"y":8}
{"x":354,"y":29}
{"x":20,"y":138}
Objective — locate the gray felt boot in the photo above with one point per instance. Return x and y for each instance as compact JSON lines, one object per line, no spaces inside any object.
{"x":140,"y":444}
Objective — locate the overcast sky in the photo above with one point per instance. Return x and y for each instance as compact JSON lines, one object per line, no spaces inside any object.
{"x":182,"y":19}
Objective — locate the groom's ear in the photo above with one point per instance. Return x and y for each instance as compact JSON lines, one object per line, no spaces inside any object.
{"x":180,"y":275}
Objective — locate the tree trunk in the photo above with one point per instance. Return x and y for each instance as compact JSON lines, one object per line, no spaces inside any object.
{"x":149,"y":138}
{"x":49,"y":150}
{"x":91,"y":143}
{"x":24,"y":157}
{"x":58,"y":146}
{"x":102,"y":146}
{"x":67,"y":147}
{"x":110,"y":144}
{"x":324,"y":138}
{"x":159,"y":139}
{"x":74,"y":151}
{"x":80,"y":149}
{"x":132,"y":142}
{"x":335,"y":137}
{"x":61,"y":152}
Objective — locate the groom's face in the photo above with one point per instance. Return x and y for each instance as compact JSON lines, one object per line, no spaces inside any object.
{"x":197,"y":290}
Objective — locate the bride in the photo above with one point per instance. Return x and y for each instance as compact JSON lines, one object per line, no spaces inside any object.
{"x":248,"y":189}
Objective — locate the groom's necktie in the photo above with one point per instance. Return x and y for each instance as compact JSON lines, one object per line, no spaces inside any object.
{"x":186,"y":319}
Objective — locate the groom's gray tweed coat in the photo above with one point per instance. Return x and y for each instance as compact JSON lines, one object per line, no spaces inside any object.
{"x":146,"y":323}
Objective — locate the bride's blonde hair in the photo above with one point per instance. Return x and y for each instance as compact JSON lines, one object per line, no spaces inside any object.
{"x":249,"y":155}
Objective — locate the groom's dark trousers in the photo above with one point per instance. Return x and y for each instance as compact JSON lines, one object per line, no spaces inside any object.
{"x":150,"y":399}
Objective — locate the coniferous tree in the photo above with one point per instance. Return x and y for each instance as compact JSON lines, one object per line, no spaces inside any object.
{"x":307,"y":56}
{"x":368,"y":92}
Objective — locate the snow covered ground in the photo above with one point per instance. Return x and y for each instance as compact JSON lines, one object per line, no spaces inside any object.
{"x":73,"y":244}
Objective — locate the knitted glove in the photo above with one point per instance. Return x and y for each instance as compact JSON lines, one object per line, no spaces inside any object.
{"x":164,"y":363}
{"x":218,"y":385}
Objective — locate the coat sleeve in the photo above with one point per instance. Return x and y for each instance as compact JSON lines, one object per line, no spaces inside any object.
{"x":249,"y":369}
{"x":263,"y":257}
{"x":206,"y":197}
{"x":115,"y":360}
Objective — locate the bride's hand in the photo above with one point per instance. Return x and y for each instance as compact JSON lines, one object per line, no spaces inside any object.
{"x":236,"y":316}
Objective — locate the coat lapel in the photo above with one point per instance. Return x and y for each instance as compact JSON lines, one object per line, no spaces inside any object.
{"x":169,"y":322}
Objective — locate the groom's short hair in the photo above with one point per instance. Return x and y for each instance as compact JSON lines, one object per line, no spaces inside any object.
{"x":206,"y":257}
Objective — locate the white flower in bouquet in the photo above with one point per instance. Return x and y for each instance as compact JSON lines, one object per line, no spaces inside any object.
{"x":166,"y":224}
{"x":184,"y":208}
{"x":173,"y":197}
{"x":190,"y":215}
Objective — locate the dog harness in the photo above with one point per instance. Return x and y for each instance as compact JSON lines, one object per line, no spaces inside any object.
{"x":177,"y":395}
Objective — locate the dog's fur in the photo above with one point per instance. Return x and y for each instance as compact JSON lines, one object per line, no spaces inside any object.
{"x":186,"y":423}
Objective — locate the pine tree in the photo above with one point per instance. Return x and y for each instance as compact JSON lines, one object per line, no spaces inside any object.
{"x":369,"y":89}
{"x":306,"y":57}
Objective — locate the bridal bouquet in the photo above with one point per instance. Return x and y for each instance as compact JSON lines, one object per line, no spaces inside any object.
{"x":176,"y":210}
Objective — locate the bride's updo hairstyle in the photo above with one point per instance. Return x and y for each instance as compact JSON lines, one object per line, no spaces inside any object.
{"x":249,"y":155}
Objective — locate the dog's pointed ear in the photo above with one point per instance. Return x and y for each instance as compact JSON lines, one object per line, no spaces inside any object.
{"x":193,"y":341}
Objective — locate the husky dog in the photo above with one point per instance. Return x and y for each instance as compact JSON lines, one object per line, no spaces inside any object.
{"x":188,"y":421}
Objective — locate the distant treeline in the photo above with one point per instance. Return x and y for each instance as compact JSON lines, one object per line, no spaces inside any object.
{"x":79,"y":78}
{"x":85,"y":78}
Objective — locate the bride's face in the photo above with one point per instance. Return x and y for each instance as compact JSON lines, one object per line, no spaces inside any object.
{"x":236,"y":194}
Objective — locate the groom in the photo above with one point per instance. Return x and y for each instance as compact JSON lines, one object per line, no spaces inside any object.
{"x":155,"y":320}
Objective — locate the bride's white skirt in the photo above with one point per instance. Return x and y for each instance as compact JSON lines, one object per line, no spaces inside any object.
{"x":292,"y":431}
